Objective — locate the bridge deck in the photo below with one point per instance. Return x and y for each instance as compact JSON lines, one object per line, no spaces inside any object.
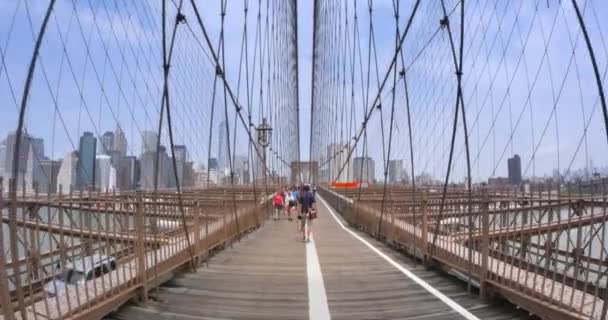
{"x":271,"y":275}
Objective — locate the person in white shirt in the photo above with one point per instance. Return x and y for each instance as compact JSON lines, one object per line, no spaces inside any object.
{"x":290,"y":204}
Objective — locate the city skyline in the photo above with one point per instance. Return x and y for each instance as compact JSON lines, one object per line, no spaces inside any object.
{"x":104,"y":164}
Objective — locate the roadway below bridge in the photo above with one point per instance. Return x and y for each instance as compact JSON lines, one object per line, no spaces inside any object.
{"x":341,"y":274}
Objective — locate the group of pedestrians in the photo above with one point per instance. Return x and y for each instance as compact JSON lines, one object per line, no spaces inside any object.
{"x":298,"y":201}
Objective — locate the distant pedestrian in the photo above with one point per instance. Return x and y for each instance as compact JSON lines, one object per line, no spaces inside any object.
{"x":291,"y":205}
{"x":278,"y":204}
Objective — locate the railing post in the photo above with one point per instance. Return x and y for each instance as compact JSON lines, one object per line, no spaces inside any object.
{"x":485,"y":243}
{"x":5,"y":299}
{"x":140,"y":249}
{"x":196,"y":216}
{"x":424,"y":231}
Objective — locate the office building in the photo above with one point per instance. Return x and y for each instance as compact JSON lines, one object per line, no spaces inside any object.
{"x":86,"y":161}
{"x":240,"y":165}
{"x":127,"y":173}
{"x":120,"y":142}
{"x":24,"y":148}
{"x":34,"y":177}
{"x":37,"y":145}
{"x":213,"y":164}
{"x":395,"y":171}
{"x":48,"y":178}
{"x":146,"y":167}
{"x":189,"y":175}
{"x":181,"y":156}
{"x":364,"y":169}
{"x":514,"y":165}
{"x":105,"y":173}
{"x":67,"y":175}
{"x":148,"y":141}
{"x":147,"y":174}
{"x":222,"y":148}
{"x":106,"y":144}
{"x":2,"y":158}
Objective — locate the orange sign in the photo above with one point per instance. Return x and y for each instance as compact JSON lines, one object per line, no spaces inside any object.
{"x":345,"y":185}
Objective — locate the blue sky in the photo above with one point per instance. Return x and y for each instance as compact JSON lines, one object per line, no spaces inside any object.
{"x":553,"y":121}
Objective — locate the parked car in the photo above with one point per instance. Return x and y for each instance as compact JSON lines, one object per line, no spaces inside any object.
{"x":79,"y":271}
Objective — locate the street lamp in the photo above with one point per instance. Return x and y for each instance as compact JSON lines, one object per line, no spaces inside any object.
{"x":264,"y":133}
{"x":264,"y":136}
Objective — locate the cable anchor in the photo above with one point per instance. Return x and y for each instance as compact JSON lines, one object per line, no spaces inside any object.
{"x":180,"y":18}
{"x":443,"y":23}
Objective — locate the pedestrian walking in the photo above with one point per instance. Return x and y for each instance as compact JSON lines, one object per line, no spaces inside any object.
{"x":308,"y":213}
{"x":278,"y":204}
{"x":291,"y":205}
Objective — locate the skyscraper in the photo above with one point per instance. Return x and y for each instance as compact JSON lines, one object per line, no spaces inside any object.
{"x":514,"y":165}
{"x":222,"y":147}
{"x":120,"y":142}
{"x":31,"y":151}
{"x":146,"y":163}
{"x":34,"y":176}
{"x":10,"y":141}
{"x":37,"y":147}
{"x":2,"y":158}
{"x":181,"y":156}
{"x":107,"y":143}
{"x":240,"y":165}
{"x":395,"y":171}
{"x":50,"y":170}
{"x":148,"y":141}
{"x":213,"y":164}
{"x":105,"y":174}
{"x":364,"y":169}
{"x":189,"y":175}
{"x":86,"y":160}
{"x":126,"y":173}
{"x":165,"y":168}
{"x":66,"y":177}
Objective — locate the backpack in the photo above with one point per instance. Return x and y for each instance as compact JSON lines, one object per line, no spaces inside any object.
{"x":278,"y":200}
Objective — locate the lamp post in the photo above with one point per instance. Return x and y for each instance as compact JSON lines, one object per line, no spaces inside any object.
{"x":264,"y":135}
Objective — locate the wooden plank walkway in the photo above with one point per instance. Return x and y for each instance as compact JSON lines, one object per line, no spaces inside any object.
{"x":265,"y":277}
{"x":262,"y":277}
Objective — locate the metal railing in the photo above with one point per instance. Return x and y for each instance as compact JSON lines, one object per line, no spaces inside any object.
{"x":544,"y":250}
{"x":81,"y":255}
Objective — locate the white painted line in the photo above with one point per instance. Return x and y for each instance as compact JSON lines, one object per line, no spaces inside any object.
{"x":451,"y":303}
{"x":317,"y":297}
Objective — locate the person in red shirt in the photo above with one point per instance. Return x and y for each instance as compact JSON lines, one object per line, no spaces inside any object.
{"x":278,"y":202}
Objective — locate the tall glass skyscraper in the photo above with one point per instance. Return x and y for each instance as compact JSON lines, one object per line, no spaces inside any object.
{"x":86,"y":160}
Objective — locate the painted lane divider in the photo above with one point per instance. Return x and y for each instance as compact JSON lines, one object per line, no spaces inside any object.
{"x":317,"y":297}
